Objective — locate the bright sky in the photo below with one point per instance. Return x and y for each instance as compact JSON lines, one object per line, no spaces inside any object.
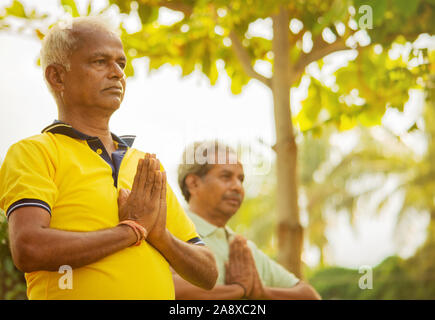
{"x":167,"y":112}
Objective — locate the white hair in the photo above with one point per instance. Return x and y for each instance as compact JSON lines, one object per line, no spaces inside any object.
{"x":60,"y":41}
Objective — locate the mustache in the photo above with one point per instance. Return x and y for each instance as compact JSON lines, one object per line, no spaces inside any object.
{"x":232,"y":196}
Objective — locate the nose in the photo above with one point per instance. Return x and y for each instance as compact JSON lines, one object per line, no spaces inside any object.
{"x":116,"y":71}
{"x":237,"y":186}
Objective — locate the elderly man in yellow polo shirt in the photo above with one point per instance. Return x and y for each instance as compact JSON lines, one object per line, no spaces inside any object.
{"x":211,"y":180}
{"x":80,"y":199}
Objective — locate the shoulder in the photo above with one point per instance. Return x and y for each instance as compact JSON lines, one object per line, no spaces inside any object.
{"x":41,"y":142}
{"x":37,"y":149}
{"x":255,"y":250}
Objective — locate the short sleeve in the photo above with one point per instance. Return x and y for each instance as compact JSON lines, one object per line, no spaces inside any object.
{"x":272,"y":273}
{"x":178,"y":223}
{"x":27,"y":176}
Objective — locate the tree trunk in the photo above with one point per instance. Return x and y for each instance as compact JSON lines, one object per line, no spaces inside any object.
{"x":290,"y":231}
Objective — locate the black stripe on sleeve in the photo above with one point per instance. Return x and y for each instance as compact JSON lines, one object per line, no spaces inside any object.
{"x":28,"y":203}
{"x":197,"y":241}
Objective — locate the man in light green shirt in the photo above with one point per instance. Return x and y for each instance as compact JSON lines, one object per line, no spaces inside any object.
{"x":211,"y":180}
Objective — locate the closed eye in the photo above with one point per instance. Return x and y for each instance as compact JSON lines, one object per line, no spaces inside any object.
{"x":99,"y":62}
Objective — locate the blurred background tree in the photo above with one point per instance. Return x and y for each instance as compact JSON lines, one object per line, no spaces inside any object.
{"x":307,"y":39}
{"x":12,"y":284}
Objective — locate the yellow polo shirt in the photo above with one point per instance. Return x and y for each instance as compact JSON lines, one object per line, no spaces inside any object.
{"x":70,"y":175}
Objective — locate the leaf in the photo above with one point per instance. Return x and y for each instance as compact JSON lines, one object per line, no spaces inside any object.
{"x":346,"y":122}
{"x":16,"y":9}
{"x":413,"y":128}
{"x":336,"y":12}
{"x":129,"y":70}
{"x":89,"y":9}
{"x":39,"y":34}
{"x":147,"y":13}
{"x":70,"y":6}
{"x":236,"y":85}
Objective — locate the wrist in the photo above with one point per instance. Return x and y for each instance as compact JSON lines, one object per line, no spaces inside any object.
{"x":162,"y":242}
{"x":239,"y":290}
{"x":140,"y":232}
{"x":129,"y":233}
{"x":264,"y":294}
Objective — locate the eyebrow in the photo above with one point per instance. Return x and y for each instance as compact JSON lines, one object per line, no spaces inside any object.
{"x":106,"y":55}
{"x":225,"y":171}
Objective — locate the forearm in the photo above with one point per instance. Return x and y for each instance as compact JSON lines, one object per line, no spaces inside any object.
{"x":301,"y":291}
{"x":49,"y":248}
{"x":194,"y":263}
{"x":187,"y":291}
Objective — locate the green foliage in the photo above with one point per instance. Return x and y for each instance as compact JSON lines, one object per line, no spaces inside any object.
{"x":364,"y":90}
{"x":16,"y":9}
{"x":12,"y":283}
{"x":70,"y":6}
{"x":202,"y":37}
{"x":410,"y":17}
{"x":216,"y":32}
{"x":394,"y":278}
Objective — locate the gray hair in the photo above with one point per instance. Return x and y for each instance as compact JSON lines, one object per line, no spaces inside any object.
{"x":60,"y":41}
{"x":199,"y":158}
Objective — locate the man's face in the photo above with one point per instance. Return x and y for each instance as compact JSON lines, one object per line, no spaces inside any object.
{"x":96,"y":76}
{"x":222,"y":188}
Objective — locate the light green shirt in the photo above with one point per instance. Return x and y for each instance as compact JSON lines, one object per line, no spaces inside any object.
{"x":217,"y":239}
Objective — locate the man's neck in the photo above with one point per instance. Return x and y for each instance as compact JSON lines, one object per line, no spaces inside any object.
{"x":95,"y":126}
{"x":210,"y":215}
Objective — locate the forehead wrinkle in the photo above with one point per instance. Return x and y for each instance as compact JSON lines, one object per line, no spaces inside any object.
{"x":84,"y":33}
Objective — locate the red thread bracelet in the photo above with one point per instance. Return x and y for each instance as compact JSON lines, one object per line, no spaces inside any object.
{"x":140,"y":231}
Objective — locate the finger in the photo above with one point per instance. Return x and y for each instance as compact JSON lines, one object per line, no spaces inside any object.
{"x":246,"y":255}
{"x":150,"y":178}
{"x":135,"y":185}
{"x":122,"y":197}
{"x":237,"y":242}
{"x":163,"y":191}
{"x":235,"y":254}
{"x":227,"y":272}
{"x":143,"y":177}
{"x":238,"y":253}
{"x":157,"y":186}
{"x":234,"y":248}
{"x":239,"y":239}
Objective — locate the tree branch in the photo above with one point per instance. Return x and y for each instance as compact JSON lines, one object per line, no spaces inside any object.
{"x":320,"y":49}
{"x":237,"y":46}
{"x":244,"y":59}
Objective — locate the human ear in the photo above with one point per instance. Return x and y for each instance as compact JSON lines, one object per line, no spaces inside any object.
{"x":55,"y":75}
{"x":192,"y":183}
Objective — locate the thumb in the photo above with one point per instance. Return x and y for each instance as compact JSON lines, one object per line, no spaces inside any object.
{"x":122,"y":196}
